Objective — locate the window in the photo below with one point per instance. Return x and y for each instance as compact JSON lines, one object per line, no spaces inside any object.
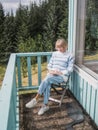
{"x":87,"y":35}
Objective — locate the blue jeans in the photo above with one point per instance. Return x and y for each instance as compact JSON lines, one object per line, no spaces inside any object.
{"x":45,"y":85}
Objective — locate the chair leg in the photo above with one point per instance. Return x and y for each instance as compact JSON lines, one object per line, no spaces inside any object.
{"x":61,"y":100}
{"x":62,"y":85}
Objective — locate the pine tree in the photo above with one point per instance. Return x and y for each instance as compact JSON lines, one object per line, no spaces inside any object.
{"x":63,"y":25}
{"x":36,"y":19}
{"x":27,"y":46}
{"x":1,"y":20}
{"x":9,"y":36}
{"x":49,"y":34}
{"x":21,"y":21}
{"x":54,"y":16}
{"x":1,"y":31}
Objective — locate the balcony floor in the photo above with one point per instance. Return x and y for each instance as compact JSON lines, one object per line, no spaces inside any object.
{"x":54,"y":119}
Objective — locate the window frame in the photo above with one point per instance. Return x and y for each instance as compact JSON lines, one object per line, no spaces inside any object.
{"x":80,"y":37}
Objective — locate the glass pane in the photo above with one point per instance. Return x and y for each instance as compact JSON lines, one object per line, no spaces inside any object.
{"x":91,"y":36}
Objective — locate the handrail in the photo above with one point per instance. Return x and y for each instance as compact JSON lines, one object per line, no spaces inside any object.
{"x":33,"y":54}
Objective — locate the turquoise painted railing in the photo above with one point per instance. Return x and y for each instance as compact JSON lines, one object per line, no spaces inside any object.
{"x":83,"y":86}
{"x":28,"y":59}
{"x":9,"y":102}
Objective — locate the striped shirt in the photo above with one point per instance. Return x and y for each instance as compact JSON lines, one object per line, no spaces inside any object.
{"x":61,"y":61}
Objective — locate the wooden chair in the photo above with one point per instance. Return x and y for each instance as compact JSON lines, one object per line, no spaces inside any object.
{"x":64,"y":87}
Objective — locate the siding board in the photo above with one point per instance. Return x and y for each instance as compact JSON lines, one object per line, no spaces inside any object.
{"x":78,"y":87}
{"x":92,"y":104}
{"x":96,"y":108}
{"x":81,"y":90}
{"x":86,"y":93}
{"x":88,"y":103}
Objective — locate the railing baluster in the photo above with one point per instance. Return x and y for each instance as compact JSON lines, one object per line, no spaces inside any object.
{"x":39,"y":69}
{"x":48,"y":58}
{"x":29,"y":71}
{"x":19,"y":72}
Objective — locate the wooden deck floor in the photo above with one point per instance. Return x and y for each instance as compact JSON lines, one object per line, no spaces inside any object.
{"x":54,"y":119}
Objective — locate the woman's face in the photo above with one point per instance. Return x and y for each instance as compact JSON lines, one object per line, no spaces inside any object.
{"x":61,"y":48}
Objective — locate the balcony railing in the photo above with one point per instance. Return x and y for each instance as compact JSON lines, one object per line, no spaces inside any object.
{"x":39,"y":57}
{"x":9,"y":104}
{"x":86,"y":93}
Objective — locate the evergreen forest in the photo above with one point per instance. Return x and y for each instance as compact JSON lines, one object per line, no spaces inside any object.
{"x":33,"y":28}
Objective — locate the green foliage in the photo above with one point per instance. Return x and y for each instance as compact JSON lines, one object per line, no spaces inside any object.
{"x":36,"y":20}
{"x":27,"y":46}
{"x":91,"y":27}
{"x":2,"y":72}
{"x":63,"y":29}
{"x":9,"y":40}
{"x":30,"y":45}
{"x":34,"y":28}
{"x":50,"y":27}
{"x":21,"y":22}
{"x":54,"y":16}
{"x":2,"y":18}
{"x":63,"y":25}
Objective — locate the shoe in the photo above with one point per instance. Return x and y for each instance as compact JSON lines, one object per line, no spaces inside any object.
{"x":43,"y":109}
{"x":32,"y":103}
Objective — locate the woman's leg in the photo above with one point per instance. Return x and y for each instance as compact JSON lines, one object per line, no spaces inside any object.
{"x":44,"y":89}
{"x":45,"y":86}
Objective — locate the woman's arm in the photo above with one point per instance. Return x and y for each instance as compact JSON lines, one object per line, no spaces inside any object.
{"x":69,"y":68}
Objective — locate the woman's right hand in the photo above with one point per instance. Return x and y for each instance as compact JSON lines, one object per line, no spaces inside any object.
{"x":55,"y":72}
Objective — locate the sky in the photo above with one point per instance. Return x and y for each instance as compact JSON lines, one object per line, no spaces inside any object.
{"x":9,"y":5}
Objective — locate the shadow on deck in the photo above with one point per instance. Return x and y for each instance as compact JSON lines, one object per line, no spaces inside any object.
{"x":54,"y":119}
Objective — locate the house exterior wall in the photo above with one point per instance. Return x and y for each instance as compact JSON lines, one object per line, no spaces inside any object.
{"x":84,"y":85}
